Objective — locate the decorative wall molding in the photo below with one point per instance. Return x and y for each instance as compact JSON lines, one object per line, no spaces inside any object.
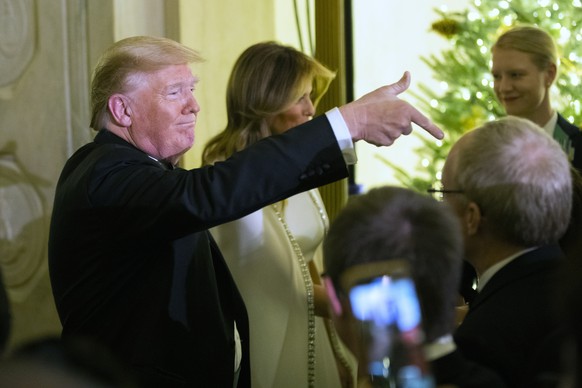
{"x":78,"y":75}
{"x":23,"y":226}
{"x":17,"y":28}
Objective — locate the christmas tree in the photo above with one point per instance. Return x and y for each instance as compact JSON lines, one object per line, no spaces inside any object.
{"x":466,"y":98}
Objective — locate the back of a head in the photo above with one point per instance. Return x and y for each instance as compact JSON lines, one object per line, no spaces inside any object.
{"x":520,"y":178}
{"x":127,"y":59}
{"x":531,"y":40}
{"x":391,"y":223}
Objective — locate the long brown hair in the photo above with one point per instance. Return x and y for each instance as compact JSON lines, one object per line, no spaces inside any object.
{"x":266,"y":79}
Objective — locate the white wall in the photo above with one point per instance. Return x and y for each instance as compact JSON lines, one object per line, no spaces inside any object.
{"x":390,"y":36}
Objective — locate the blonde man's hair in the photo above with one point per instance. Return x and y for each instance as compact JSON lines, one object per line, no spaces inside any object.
{"x":121,"y":66}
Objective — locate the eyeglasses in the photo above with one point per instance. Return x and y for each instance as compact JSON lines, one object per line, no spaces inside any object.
{"x":438,"y":192}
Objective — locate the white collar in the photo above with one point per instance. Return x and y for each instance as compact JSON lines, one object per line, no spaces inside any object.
{"x":489,"y":272}
{"x":439,"y":347}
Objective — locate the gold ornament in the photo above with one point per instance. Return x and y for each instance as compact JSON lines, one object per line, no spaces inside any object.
{"x":446,"y":27}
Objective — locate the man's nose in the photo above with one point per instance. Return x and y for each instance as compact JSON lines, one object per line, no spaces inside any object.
{"x":192,"y":105}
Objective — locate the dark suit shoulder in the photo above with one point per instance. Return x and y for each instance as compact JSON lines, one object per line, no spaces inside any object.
{"x":512,"y":315}
{"x":529,"y":268}
{"x":570,"y":129}
{"x":575,"y":136}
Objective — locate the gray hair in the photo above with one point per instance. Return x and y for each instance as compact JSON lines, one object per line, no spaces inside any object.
{"x":520,"y":178}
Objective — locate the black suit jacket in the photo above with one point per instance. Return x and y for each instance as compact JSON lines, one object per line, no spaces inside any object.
{"x":512,"y":315}
{"x":453,"y":369}
{"x":132,"y":263}
{"x":575,"y":136}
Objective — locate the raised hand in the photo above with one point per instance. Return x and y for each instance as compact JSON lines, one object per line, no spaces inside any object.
{"x":380,"y":117}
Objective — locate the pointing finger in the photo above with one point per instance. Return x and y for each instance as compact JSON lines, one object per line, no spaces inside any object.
{"x":423,"y":122}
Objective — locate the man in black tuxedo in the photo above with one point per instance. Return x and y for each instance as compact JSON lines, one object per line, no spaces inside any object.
{"x":374,"y":235}
{"x":131,"y":261}
{"x":510,"y":185}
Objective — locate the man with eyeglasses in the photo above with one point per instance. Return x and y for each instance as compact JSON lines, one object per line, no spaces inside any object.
{"x":468,"y":276}
{"x":510,"y":186}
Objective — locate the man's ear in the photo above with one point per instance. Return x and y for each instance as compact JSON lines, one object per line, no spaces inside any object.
{"x":473,"y":218}
{"x":336,"y":305}
{"x":118,"y":106}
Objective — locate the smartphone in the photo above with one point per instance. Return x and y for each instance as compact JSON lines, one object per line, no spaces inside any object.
{"x":389,"y":313}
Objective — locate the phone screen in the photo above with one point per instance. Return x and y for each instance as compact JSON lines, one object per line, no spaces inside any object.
{"x":390,"y":327}
{"x":387,"y":301}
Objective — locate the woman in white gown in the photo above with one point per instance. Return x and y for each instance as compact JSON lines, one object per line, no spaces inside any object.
{"x":271,"y":252}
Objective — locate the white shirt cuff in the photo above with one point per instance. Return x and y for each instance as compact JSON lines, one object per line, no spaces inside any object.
{"x":439,"y":348}
{"x":342,"y":134}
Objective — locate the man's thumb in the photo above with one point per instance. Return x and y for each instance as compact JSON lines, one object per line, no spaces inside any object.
{"x":400,"y":86}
